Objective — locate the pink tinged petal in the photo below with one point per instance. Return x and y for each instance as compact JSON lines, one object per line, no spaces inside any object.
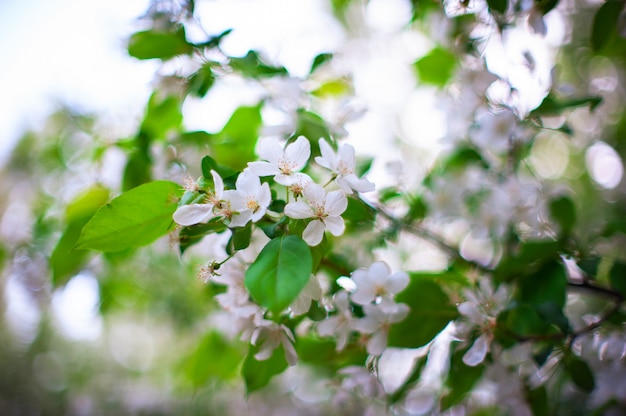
{"x":377,"y":343}
{"x":477,"y":353}
{"x":298,"y":210}
{"x":270,"y":150}
{"x":336,"y":203}
{"x":218,"y":183}
{"x":263,"y":168}
{"x":315,"y":193}
{"x":335,"y":225}
{"x":397,"y":282}
{"x":313,"y":233}
{"x":193,"y":214}
{"x":298,"y":152}
{"x":328,"y":159}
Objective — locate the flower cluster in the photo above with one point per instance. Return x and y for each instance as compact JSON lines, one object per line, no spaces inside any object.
{"x":372,"y":289}
{"x":250,"y":199}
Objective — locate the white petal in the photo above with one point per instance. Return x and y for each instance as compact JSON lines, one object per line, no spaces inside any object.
{"x":327,"y":327}
{"x":328,"y":158}
{"x":476,"y":354}
{"x":313,"y":233}
{"x":346,"y":153}
{"x":358,"y":184}
{"x":470,"y":310}
{"x":336,"y":203}
{"x":397,"y":282}
{"x":241,"y":218}
{"x":377,"y":343}
{"x":218,"y":183}
{"x":193,"y":214}
{"x":378,"y":272}
{"x":366,"y":325}
{"x":270,"y":150}
{"x":335,"y":225}
{"x":290,"y":352}
{"x":263,"y":168}
{"x":298,"y":210}
{"x":299,"y":152}
{"x":248,"y":183}
{"x":363,"y":294}
{"x":314,"y":193}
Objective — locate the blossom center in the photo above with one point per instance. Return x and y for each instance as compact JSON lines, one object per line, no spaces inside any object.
{"x":286,"y":166}
{"x":252,"y":204}
{"x":343,"y":168}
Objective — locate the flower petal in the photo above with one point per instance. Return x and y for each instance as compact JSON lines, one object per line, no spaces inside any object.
{"x":298,"y":210}
{"x":335,"y":225}
{"x":218,"y":183}
{"x":328,"y":159}
{"x":397,"y":282}
{"x":315,"y":193}
{"x":193,"y":214}
{"x":313,"y":233}
{"x":477,"y":353}
{"x":270,"y":150}
{"x":298,"y":152}
{"x":336,"y":203}
{"x":263,"y":168}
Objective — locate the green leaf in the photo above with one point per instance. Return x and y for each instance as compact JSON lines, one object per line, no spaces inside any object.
{"x":138,"y":170}
{"x":133,"y":219}
{"x":530,"y":256}
{"x":253,"y":67}
{"x":538,"y":400}
{"x":65,"y":261}
{"x":358,"y":214}
{"x":580,"y":373}
{"x":313,"y":127}
{"x":436,"y":67}
{"x":279,"y":273}
{"x":319,"y":60}
{"x":547,"y":285}
{"x":201,"y":81}
{"x":152,"y":44}
{"x":322,"y":353}
{"x":461,"y":378}
{"x":430,"y":312}
{"x":209,"y":164}
{"x":163,"y":116}
{"x":497,"y":5}
{"x":617,"y":277}
{"x":214,"y":357}
{"x":524,"y":321}
{"x":605,"y":23}
{"x":240,"y":238}
{"x":235,"y":145}
{"x":562,"y":211}
{"x":552,"y":106}
{"x":257,"y":374}
{"x":545,"y":6}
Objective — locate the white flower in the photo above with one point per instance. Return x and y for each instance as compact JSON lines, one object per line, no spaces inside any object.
{"x":340,"y":324}
{"x":343,"y":165}
{"x":377,"y":284}
{"x":200,"y":213}
{"x":481,"y":309}
{"x":494,"y":131}
{"x":325,"y":209}
{"x":283,"y":164}
{"x":312,"y":291}
{"x":268,"y":336}
{"x":252,"y":199}
{"x":377,"y":322}
{"x":359,"y":378}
